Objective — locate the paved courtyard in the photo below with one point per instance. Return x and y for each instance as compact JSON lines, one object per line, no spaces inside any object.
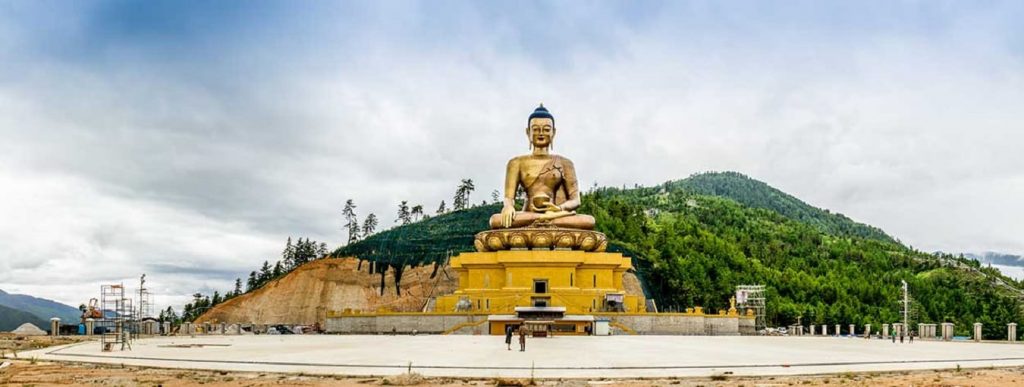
{"x":486,"y":356}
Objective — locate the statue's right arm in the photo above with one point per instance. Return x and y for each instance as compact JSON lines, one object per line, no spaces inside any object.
{"x":508,"y":210}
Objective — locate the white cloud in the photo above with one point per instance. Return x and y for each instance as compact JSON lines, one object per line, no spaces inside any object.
{"x":196,"y":163}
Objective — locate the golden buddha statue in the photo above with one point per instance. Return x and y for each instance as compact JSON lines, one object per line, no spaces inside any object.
{"x":552,"y":191}
{"x":548,"y":219}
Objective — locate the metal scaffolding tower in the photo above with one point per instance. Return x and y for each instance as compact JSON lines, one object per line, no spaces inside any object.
{"x":752,"y":297}
{"x":117,"y":318}
{"x":145,"y":300}
{"x":908,"y":307}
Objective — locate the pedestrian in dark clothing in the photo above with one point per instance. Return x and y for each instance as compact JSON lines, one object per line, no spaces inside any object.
{"x":911,"y":337}
{"x":901,"y":338}
{"x":508,"y":337}
{"x":894,"y":337}
{"x":522,"y":338}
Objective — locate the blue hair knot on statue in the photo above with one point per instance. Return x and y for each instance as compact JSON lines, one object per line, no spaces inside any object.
{"x":541,"y":112}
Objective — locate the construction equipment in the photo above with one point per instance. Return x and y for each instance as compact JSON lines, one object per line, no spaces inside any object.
{"x":92,"y":310}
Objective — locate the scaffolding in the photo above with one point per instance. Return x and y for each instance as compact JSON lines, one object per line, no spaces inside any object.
{"x":752,"y":297}
{"x":118,"y":318}
{"x":145,"y":300}
{"x":908,"y":307}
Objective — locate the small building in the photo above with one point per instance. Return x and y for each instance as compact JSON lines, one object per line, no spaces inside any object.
{"x":542,"y":321}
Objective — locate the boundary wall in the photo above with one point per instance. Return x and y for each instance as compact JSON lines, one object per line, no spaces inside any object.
{"x":436,"y":323}
{"x":476,"y":323}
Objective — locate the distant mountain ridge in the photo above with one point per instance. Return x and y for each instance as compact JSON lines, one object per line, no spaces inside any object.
{"x":11,"y":319}
{"x":997,"y":258}
{"x":40,"y":307}
{"x":758,"y":194}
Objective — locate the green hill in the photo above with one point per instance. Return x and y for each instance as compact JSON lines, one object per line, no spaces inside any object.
{"x":694,"y":240}
{"x":757,"y":194}
{"x":694,"y":249}
{"x":40,"y":307}
{"x":11,"y":319}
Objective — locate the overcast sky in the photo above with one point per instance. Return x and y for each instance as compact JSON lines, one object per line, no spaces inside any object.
{"x":189,"y":140}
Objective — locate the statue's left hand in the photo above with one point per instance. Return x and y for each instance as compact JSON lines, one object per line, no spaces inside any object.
{"x":551,"y":207}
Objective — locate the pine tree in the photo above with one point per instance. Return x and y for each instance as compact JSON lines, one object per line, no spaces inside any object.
{"x":462,"y":194}
{"x":417,"y":212}
{"x":288,"y":255}
{"x":321,"y":251}
{"x":253,"y":282}
{"x":278,"y":270}
{"x":302,"y":253}
{"x":238,"y":286}
{"x":403,"y":213}
{"x":351,"y":222}
{"x":458,"y":202}
{"x":369,"y":225}
{"x":264,"y":275}
{"x":441,"y":209}
{"x":216,"y":298}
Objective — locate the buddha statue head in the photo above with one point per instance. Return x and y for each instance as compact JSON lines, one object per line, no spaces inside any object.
{"x":540,"y":128}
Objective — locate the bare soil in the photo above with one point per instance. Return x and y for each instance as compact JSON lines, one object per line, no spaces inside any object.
{"x":30,"y":373}
{"x":11,"y":344}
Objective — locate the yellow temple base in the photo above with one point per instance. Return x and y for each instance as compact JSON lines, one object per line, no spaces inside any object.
{"x":581,"y":282}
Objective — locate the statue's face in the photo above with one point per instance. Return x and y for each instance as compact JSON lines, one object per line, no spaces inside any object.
{"x":541,"y":132}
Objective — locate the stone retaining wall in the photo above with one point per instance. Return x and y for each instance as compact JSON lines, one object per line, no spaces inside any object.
{"x":643,"y":324}
{"x":681,"y":324}
{"x":405,"y":323}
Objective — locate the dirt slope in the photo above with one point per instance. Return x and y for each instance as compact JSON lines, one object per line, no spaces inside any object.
{"x":305,"y":295}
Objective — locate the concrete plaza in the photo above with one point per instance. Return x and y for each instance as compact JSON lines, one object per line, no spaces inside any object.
{"x":570,"y":356}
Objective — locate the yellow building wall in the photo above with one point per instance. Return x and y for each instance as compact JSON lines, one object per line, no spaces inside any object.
{"x":497,"y":282}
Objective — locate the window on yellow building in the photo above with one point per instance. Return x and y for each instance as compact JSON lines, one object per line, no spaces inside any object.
{"x":540,"y":286}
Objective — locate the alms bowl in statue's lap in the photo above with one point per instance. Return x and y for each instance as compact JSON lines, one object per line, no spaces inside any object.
{"x":540,"y":238}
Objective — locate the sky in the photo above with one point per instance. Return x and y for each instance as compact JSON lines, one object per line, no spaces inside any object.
{"x":188,"y":140}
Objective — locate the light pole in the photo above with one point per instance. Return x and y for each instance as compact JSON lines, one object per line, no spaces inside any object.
{"x":906,"y":306}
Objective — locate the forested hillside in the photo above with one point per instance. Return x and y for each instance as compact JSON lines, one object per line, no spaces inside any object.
{"x":11,"y":319}
{"x":694,"y":249}
{"x":757,"y":194}
{"x":694,"y":240}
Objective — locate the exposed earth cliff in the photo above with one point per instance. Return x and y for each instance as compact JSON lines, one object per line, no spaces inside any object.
{"x":305,"y":295}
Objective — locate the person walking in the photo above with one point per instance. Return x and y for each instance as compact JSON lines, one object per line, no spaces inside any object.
{"x":508,"y":337}
{"x":522,"y":338}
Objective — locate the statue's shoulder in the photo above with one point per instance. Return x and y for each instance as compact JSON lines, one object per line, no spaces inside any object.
{"x":515,"y":161}
{"x":559,"y":159}
{"x":518,"y":159}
